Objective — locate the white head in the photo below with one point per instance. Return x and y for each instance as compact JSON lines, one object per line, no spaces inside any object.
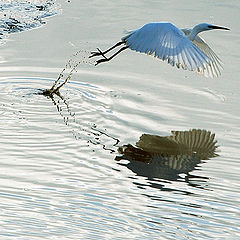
{"x":204,"y":27}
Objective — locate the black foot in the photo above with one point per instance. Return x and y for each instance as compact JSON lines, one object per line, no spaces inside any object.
{"x":101,"y":61}
{"x":99,"y":53}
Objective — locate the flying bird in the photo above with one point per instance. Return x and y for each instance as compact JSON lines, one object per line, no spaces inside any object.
{"x":182,"y":48}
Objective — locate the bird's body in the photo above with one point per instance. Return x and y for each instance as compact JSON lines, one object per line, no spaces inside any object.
{"x":179,"y":47}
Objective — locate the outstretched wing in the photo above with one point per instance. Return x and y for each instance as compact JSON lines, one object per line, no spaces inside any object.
{"x":167,"y":42}
{"x":213,"y":69}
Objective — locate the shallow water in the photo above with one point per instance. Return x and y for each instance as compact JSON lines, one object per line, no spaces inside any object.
{"x":62,"y":176}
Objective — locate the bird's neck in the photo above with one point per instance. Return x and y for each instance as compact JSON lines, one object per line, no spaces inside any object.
{"x":195,"y":31}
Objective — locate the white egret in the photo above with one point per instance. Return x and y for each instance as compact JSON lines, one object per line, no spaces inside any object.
{"x":182,"y":48}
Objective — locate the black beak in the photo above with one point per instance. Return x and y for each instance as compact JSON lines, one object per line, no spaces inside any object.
{"x":217,"y":27}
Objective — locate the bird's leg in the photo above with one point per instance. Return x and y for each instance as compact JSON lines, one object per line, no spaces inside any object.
{"x":100,"y":53}
{"x":108,"y":59}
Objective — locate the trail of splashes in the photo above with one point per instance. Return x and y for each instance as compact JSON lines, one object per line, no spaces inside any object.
{"x":72,"y":65}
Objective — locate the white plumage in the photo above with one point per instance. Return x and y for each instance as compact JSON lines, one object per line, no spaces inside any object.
{"x":215,"y":65}
{"x":179,"y":47}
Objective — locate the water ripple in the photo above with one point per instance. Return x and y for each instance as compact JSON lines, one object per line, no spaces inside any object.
{"x":60,"y":177}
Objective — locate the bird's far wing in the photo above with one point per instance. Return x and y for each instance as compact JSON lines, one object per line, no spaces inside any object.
{"x":213,"y":69}
{"x":167,"y":42}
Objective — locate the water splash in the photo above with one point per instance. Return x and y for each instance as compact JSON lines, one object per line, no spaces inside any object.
{"x":80,"y":57}
{"x":18,"y":16}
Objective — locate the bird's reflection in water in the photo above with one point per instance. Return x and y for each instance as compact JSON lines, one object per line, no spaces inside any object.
{"x":157,"y":157}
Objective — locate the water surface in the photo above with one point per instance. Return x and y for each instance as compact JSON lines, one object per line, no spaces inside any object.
{"x":62,"y":175}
